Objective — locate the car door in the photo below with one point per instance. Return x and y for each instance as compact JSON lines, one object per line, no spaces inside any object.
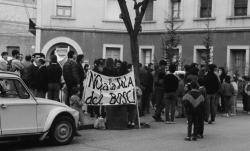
{"x":17,"y":108}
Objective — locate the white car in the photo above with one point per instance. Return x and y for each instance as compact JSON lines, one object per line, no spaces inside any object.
{"x":22,"y":114}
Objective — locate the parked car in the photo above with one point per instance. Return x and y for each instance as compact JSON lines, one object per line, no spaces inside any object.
{"x":22,"y":114}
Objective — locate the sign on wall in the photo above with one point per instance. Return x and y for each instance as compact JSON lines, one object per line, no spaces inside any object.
{"x":104,"y":90}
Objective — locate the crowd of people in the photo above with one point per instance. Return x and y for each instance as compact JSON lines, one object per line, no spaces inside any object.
{"x":196,"y":93}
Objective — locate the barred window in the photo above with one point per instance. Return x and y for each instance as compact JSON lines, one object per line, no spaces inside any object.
{"x":240,"y":7}
{"x":176,"y":8}
{"x":205,"y":8}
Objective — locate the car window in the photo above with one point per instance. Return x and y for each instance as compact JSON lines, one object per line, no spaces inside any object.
{"x":12,"y":88}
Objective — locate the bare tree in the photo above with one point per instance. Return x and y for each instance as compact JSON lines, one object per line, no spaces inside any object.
{"x":133,"y":30}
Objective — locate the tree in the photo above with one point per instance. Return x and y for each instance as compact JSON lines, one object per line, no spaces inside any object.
{"x":171,"y":40}
{"x":207,"y":40}
{"x":134,"y":30}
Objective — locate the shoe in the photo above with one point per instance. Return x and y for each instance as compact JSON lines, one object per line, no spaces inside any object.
{"x":210,"y":122}
{"x":168,"y":122}
{"x":200,"y":136}
{"x":172,"y":122}
{"x":187,"y":139}
{"x":194,"y":139}
{"x":157,"y":119}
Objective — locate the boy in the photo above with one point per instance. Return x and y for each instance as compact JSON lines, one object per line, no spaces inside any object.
{"x":194,"y":105}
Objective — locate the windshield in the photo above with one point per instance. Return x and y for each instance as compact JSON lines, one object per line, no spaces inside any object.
{"x":12,"y":88}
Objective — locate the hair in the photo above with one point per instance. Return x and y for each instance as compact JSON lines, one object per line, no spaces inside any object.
{"x":162,"y":63}
{"x":36,"y":54}
{"x":227,"y":79}
{"x":86,"y":66}
{"x":28,"y":57}
{"x":15,"y":52}
{"x":194,"y":85}
{"x":53,"y":59}
{"x":109,"y":63}
{"x":42,"y":61}
{"x":71,"y":54}
{"x":5,"y":53}
{"x":75,"y":90}
{"x":172,"y":68}
{"x":211,"y":67}
{"x":79,"y":58}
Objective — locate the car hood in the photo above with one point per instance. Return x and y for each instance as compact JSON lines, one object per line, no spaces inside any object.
{"x":43,"y":101}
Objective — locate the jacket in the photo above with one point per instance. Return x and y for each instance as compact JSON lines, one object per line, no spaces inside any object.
{"x":194,"y":102}
{"x":70,"y":73}
{"x":171,"y":83}
{"x":42,"y":79}
{"x":212,"y":83}
{"x":227,"y":89}
{"x":54,"y":72}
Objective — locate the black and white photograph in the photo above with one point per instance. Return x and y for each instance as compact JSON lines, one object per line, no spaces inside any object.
{"x":124,"y":75}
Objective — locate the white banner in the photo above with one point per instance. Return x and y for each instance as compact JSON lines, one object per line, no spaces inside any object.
{"x":104,"y":90}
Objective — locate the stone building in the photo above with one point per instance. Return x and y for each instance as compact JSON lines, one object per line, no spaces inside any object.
{"x":93,"y":27}
{"x":14,"y":25}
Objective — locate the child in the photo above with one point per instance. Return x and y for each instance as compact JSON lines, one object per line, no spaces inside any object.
{"x":227,"y":90}
{"x":76,"y":103}
{"x":194,"y":106}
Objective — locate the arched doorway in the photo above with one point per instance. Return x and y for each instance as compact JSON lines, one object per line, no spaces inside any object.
{"x":60,"y":46}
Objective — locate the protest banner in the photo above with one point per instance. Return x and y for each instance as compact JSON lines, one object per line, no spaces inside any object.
{"x":104,"y":90}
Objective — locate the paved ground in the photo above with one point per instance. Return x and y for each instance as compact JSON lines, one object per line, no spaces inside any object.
{"x":228,"y":134}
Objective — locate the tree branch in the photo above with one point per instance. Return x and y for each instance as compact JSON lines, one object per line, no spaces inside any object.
{"x":125,"y":16}
{"x":139,"y":15}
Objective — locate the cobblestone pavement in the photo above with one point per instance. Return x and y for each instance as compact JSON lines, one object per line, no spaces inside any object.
{"x":227,"y":134}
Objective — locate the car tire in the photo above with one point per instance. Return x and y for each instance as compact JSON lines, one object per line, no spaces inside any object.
{"x":62,"y":130}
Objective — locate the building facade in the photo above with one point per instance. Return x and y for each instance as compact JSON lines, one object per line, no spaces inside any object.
{"x":93,"y":27}
{"x":14,"y":25}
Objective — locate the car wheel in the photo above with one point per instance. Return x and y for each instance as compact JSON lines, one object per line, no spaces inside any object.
{"x":62,"y":130}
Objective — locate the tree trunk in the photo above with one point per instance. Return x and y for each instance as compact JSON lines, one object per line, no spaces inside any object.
{"x":135,"y":57}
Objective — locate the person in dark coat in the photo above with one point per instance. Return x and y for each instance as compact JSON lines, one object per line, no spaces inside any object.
{"x":54,"y":72}
{"x":80,"y":72}
{"x":42,"y":79}
{"x":159,"y":90}
{"x":70,"y":75}
{"x":212,"y":85}
{"x":146,"y":80}
{"x":171,"y":83}
{"x":32,"y":81}
{"x":194,"y":106}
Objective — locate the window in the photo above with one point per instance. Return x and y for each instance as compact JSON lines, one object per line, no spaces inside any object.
{"x":148,"y":16}
{"x":112,"y":10}
{"x":113,"y":51}
{"x":146,"y":55}
{"x":240,"y":7}
{"x":205,"y":8}
{"x":176,"y":8}
{"x":12,"y":88}
{"x":11,"y":48}
{"x":203,"y":55}
{"x":64,"y":8}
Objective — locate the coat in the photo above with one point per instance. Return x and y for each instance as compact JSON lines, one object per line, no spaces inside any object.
{"x":70,"y":74}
